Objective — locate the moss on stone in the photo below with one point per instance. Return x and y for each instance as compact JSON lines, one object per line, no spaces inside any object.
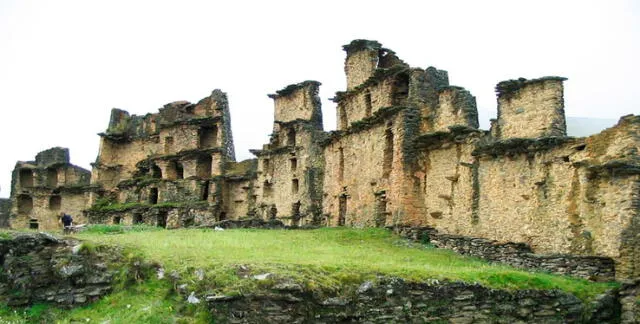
{"x":456,"y":134}
{"x":616,"y":168}
{"x":520,"y":145}
{"x":510,"y":87}
{"x":378,"y":76}
{"x":361,"y":44}
{"x":293,"y":87}
{"x":241,"y":170}
{"x":379,"y":117}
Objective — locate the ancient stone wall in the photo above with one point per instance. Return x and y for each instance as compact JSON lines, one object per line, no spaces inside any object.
{"x":628,"y":296}
{"x":5,"y":208}
{"x":555,"y":194}
{"x":361,"y":62}
{"x":447,"y":173}
{"x":518,"y":255}
{"x":165,"y":216}
{"x":531,"y":108}
{"x":390,"y":90}
{"x":558,"y":199}
{"x":286,"y":186}
{"x":40,"y":268}
{"x":393,"y":300}
{"x":238,"y":198}
{"x":44,"y":188}
{"x":176,"y":157}
{"x":365,"y":191}
{"x":456,"y":106}
{"x":298,"y":102}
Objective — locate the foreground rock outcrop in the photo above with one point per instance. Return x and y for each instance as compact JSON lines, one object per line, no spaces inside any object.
{"x":393,"y":300}
{"x":39,"y":267}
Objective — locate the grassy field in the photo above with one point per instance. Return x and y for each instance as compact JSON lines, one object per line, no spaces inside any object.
{"x":321,"y":260}
{"x":328,"y":257}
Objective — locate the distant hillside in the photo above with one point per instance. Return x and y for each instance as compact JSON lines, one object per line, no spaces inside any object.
{"x":583,"y":126}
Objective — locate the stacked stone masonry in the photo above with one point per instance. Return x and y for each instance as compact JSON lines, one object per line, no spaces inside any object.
{"x":392,"y":300}
{"x":39,"y":267}
{"x":515,"y":254}
{"x":5,"y":208}
{"x":406,"y":151}
{"x":44,"y":188}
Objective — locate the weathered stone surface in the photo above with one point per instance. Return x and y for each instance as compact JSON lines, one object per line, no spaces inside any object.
{"x":38,"y":267}
{"x":5,"y":208}
{"x":251,"y":223}
{"x":531,"y":108}
{"x":450,"y":302}
{"x":43,"y":188}
{"x":407,"y":151}
{"x":629,"y":298}
{"x":518,"y":255}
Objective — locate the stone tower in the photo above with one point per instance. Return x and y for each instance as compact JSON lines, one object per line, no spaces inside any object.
{"x":531,"y":108}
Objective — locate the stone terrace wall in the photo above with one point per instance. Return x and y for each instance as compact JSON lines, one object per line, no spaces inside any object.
{"x":40,"y":268}
{"x":629,"y":295}
{"x":515,"y":254}
{"x":395,"y":301}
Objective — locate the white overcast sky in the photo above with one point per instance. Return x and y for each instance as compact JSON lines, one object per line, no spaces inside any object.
{"x":64,"y":64}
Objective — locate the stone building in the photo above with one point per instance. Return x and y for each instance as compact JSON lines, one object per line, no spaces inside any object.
{"x":43,"y":188}
{"x":288,"y":183}
{"x":5,"y":208}
{"x":166,"y":169}
{"x":406,"y":151}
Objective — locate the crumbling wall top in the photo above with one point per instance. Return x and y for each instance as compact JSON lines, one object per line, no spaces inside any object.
{"x":531,"y":108}
{"x":243,"y":170}
{"x":361,"y":44}
{"x":509,"y":87}
{"x":54,"y":155}
{"x":298,"y":102}
{"x":209,"y":110}
{"x":290,"y":89}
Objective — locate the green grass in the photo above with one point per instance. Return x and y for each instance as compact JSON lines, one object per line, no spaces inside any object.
{"x":325,"y":258}
{"x":150,"y":302}
{"x":118,"y":229}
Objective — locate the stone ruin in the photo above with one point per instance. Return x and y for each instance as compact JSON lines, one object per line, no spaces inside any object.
{"x":407,"y":152}
{"x":43,"y":188}
{"x":5,"y":206}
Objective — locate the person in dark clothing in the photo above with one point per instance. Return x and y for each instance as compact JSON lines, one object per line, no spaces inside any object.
{"x":67,"y":222}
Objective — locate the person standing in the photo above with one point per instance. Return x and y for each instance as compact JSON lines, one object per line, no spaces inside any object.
{"x":67,"y":222}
